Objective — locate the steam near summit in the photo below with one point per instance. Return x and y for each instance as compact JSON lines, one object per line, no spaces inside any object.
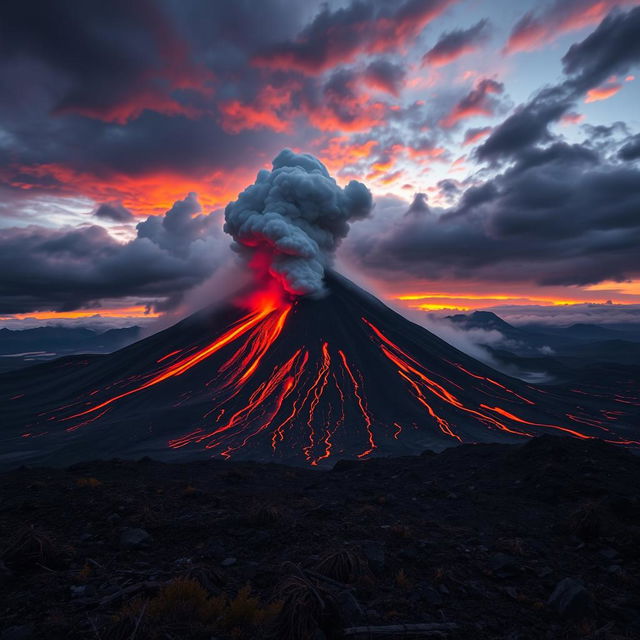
{"x":294,"y":216}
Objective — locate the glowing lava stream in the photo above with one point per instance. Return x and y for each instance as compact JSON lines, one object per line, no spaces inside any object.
{"x":179,"y":367}
{"x":403,"y":361}
{"x":363,"y":408}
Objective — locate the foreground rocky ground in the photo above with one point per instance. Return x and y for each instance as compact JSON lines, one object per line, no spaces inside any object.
{"x":540,"y":540}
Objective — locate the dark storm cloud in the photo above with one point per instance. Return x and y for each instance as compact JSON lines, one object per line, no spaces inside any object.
{"x":612,"y":48}
{"x":129,"y":88}
{"x":103,"y":59}
{"x":112,"y":60}
{"x":631,"y":150}
{"x":449,"y":189}
{"x":419,"y":207}
{"x":558,"y":216}
{"x":454,"y":44}
{"x":114,"y":211}
{"x":529,"y":125}
{"x":386,"y":75}
{"x":152,"y":143}
{"x":339,"y":35}
{"x":66,"y":269}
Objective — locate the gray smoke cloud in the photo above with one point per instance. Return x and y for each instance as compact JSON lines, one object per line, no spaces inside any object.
{"x":295,"y":215}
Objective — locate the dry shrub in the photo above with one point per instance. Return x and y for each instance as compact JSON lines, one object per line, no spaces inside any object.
{"x":90,"y":483}
{"x":587,"y":522}
{"x":246,"y":609}
{"x":184,"y":607}
{"x":211,"y":579}
{"x":31,"y":548}
{"x":401,"y":531}
{"x":191,"y":492}
{"x":307,"y":607}
{"x":183,"y":599}
{"x":402,"y":580}
{"x":264,"y":516}
{"x":345,"y":566}
{"x":85,"y":573}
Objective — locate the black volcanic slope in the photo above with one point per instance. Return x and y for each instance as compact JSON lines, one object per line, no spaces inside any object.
{"x":306,"y":382}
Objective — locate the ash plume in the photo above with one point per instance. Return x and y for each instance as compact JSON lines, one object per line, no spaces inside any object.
{"x":294,"y":216}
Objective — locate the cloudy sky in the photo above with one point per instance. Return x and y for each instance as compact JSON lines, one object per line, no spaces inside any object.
{"x":500,"y":140}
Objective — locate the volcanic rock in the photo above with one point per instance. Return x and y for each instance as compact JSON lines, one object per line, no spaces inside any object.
{"x":570,"y":599}
{"x":133,"y":538}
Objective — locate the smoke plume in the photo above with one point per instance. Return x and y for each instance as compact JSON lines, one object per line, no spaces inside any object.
{"x":294,"y":216}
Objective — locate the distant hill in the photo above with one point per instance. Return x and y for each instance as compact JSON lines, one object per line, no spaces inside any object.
{"x":24,"y":347}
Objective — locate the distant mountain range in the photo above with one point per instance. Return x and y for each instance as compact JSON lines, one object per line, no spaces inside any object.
{"x":24,"y":347}
{"x":559,"y":351}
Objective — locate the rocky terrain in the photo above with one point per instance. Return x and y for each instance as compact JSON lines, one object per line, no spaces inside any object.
{"x":540,"y":540}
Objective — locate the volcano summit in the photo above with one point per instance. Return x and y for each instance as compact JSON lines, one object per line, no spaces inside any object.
{"x":304,"y":368}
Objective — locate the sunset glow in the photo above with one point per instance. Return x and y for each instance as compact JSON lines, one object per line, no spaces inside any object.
{"x":503,"y":125}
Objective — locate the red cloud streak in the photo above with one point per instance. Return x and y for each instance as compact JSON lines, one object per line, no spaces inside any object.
{"x":534,"y":31}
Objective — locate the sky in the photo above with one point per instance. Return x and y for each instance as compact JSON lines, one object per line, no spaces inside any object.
{"x":500,"y":142}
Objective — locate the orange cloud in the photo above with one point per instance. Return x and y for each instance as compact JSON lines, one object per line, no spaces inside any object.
{"x":447,"y":57}
{"x":339,"y":152}
{"x":238,"y":117}
{"x":358,"y":114}
{"x":572,"y":118}
{"x":436,"y":301}
{"x":270,"y":109}
{"x":136,"y":311}
{"x":474,"y":135}
{"x":150,"y":194}
{"x":602,"y":93}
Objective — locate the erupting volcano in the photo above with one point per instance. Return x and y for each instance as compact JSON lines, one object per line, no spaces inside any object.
{"x":305,"y":368}
{"x":296,"y":380}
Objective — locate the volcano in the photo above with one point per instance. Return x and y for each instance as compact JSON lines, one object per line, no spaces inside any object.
{"x":294,"y":380}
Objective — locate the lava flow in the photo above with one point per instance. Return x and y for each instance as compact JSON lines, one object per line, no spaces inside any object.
{"x":301,"y":380}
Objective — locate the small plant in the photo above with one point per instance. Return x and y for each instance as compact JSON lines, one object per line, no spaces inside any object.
{"x":345,"y":566}
{"x":264,"y":516}
{"x":246,"y":609}
{"x":515,"y":546}
{"x":401,"y":531}
{"x":190,"y":492}
{"x":91,"y":483}
{"x":587,"y":522}
{"x":85,"y":573}
{"x":206,"y":575}
{"x":31,"y":548}
{"x":306,"y":608}
{"x":402,"y":580}
{"x":183,"y":607}
{"x":183,"y":599}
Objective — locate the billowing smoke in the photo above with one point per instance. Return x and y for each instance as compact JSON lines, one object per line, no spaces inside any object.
{"x":295,"y":216}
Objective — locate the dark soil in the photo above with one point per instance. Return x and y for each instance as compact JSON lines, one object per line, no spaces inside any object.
{"x":477,"y":536}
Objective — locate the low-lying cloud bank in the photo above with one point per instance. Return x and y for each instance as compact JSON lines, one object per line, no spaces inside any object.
{"x":72,"y":268}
